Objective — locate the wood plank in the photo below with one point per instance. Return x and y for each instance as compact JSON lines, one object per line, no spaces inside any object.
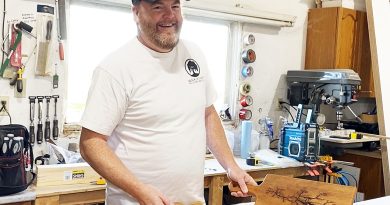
{"x":83,"y":198}
{"x":216,"y":190}
{"x":66,"y":189}
{"x":277,"y":189}
{"x":49,"y":200}
{"x":77,"y":173}
{"x":378,"y":15}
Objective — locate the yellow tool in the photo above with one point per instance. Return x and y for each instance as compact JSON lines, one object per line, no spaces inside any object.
{"x":19,"y":80}
{"x":101,"y":181}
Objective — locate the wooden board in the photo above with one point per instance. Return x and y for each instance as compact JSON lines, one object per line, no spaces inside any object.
{"x":62,"y":174}
{"x":277,"y":189}
{"x":378,"y":15}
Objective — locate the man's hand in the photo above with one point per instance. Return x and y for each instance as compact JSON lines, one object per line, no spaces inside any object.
{"x":242,"y":178}
{"x":149,"y":195}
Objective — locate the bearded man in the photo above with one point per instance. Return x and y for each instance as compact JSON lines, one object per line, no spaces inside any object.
{"x":150,"y":114}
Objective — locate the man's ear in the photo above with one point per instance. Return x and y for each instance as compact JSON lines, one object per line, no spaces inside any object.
{"x":135,"y":11}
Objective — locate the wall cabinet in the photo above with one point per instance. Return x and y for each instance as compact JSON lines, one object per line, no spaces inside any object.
{"x":337,"y":38}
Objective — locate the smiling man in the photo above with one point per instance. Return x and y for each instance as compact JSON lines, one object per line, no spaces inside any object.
{"x":150,"y":114}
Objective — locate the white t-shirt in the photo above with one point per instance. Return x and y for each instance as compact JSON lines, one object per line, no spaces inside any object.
{"x":152,"y":108}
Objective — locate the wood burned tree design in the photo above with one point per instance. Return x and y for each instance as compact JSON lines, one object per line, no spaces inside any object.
{"x":301,"y":197}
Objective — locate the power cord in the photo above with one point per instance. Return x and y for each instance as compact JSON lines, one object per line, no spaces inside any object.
{"x":3,"y":107}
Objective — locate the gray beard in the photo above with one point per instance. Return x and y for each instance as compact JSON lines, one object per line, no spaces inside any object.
{"x":163,"y":41}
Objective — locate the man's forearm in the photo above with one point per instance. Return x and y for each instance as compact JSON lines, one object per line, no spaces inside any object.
{"x":94,"y":149}
{"x":216,"y":139}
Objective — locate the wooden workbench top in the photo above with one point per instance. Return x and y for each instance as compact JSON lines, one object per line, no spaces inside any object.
{"x":66,"y":189}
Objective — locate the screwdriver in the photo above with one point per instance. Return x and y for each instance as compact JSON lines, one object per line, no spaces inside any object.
{"x":32,"y":110}
{"x":39,"y":130}
{"x":55,"y":120}
{"x":47,"y":122}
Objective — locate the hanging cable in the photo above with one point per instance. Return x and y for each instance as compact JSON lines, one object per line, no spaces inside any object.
{"x":292,"y":117}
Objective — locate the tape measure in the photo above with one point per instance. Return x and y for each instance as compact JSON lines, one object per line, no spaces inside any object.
{"x":249,"y":39}
{"x":248,"y":56}
{"x":245,"y":89}
{"x":253,"y":161}
{"x":245,"y":114}
{"x":246,"y":101}
{"x":247,"y":71}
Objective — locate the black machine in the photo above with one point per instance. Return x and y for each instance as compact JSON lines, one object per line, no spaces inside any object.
{"x":335,"y":87}
{"x":308,"y":89}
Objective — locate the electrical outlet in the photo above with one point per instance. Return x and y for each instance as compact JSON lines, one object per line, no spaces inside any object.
{"x":6,"y":100}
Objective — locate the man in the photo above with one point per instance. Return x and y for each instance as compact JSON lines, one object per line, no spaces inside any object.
{"x":149,"y":115}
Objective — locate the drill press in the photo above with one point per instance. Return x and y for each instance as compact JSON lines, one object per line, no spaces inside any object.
{"x":308,"y":89}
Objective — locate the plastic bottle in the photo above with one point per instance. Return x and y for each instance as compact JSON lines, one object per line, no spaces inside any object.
{"x":264,"y":137}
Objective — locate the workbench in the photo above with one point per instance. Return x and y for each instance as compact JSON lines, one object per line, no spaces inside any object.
{"x":215,"y":178}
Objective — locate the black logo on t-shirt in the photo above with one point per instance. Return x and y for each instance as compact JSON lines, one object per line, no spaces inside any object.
{"x":192,"y":68}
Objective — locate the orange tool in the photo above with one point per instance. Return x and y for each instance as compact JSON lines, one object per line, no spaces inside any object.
{"x":60,"y":44}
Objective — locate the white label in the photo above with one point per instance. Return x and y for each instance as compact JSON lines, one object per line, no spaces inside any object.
{"x":67,"y":175}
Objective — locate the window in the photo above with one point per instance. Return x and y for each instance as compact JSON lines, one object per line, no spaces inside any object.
{"x":96,"y":30}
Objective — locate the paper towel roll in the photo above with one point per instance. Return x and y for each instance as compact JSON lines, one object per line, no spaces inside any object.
{"x":246,"y":135}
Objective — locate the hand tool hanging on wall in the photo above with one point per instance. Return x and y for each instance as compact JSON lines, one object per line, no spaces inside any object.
{"x":39,"y":129}
{"x":47,"y":122}
{"x":45,"y":58}
{"x":55,"y":120}
{"x":55,"y":77}
{"x":32,"y":111}
{"x":60,"y":44}
{"x":18,"y":79}
{"x":24,"y":27}
{"x":13,"y":47}
{"x":16,"y":57}
{"x":43,"y":48}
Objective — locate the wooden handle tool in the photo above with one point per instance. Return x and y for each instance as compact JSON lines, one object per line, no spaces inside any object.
{"x":277,"y":189}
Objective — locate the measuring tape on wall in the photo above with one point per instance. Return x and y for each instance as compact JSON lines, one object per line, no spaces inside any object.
{"x":246,"y":101}
{"x":247,"y":71}
{"x":245,"y":89}
{"x":249,"y":39}
{"x":245,"y":114}
{"x":248,"y":56}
